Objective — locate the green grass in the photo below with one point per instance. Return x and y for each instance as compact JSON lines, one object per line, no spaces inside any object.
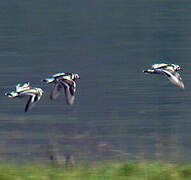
{"x":101,"y":171}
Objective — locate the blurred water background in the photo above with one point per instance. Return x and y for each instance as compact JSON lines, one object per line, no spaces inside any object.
{"x":119,"y":113}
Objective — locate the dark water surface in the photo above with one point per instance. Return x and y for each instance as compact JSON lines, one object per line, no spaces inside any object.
{"x":119,"y":113}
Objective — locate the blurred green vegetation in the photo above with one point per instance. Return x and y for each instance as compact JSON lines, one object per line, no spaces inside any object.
{"x":98,"y":171}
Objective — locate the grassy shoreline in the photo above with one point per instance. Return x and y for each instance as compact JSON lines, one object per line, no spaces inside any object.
{"x":98,"y":171}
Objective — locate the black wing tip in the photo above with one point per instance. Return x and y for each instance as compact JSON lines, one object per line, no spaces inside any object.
{"x":28,"y":104}
{"x":44,"y":80}
{"x":70,"y":104}
{"x":26,"y":109}
{"x":51,"y":98}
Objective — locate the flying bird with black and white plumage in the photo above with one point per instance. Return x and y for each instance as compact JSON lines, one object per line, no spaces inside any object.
{"x":66,"y":81}
{"x":23,"y":90}
{"x":169,"y":70}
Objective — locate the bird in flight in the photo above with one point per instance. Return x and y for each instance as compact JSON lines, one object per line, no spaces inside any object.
{"x":23,"y":90}
{"x":66,"y":81}
{"x":169,"y":70}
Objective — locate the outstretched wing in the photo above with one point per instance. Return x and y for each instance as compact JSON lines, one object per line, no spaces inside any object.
{"x":55,"y":91}
{"x":23,"y":87}
{"x":69,"y":89}
{"x":31,"y":102}
{"x":159,"y":66}
{"x":174,"y":77}
{"x":153,"y":71}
